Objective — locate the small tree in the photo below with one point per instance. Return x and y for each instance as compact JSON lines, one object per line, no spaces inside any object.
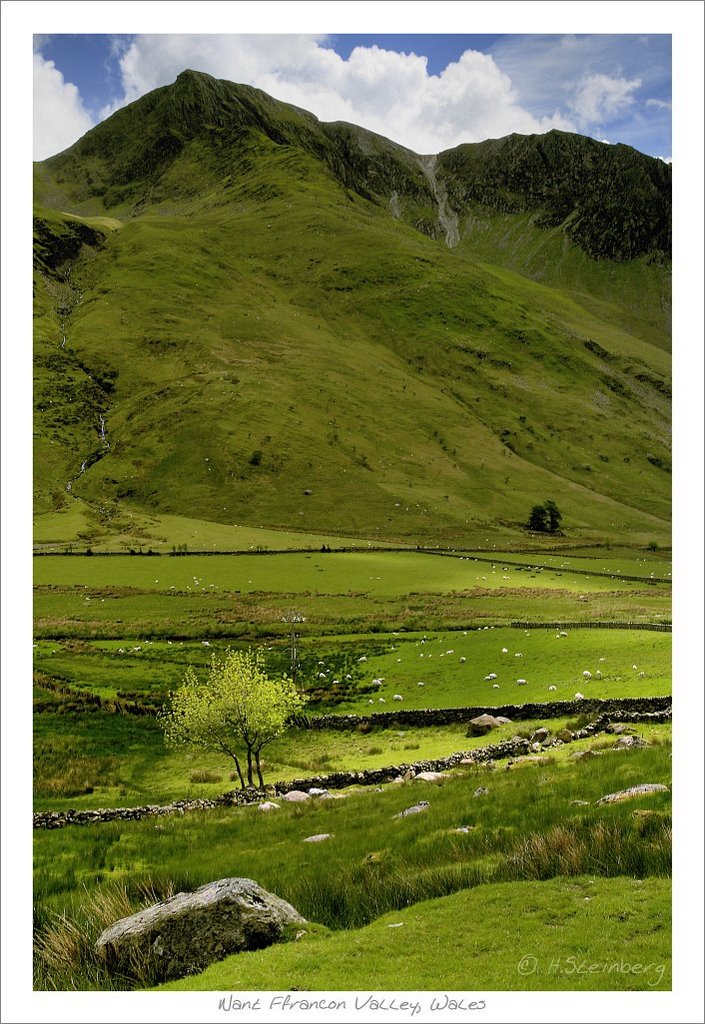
{"x":537,"y":519}
{"x":553,"y":515}
{"x":238,"y":710}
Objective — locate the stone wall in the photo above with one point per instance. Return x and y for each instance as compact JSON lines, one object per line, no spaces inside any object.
{"x":519,"y":712}
{"x":515,"y":747}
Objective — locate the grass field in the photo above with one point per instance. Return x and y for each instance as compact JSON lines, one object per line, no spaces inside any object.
{"x":526,"y":828}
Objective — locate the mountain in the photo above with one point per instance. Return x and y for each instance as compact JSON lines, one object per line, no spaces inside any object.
{"x":245,"y":315}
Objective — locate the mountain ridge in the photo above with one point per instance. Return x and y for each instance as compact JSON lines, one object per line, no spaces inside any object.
{"x":242,"y":323}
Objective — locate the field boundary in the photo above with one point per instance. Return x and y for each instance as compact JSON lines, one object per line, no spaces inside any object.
{"x":515,"y":747}
{"x":656,"y":627}
{"x":538,"y":565}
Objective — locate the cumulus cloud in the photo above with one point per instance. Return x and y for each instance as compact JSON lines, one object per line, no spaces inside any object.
{"x":599,"y":99}
{"x":59,"y":115}
{"x":386,"y":92}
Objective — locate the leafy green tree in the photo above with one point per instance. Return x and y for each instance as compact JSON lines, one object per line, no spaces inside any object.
{"x":538,"y":519}
{"x":238,"y":710}
{"x":553,"y":515}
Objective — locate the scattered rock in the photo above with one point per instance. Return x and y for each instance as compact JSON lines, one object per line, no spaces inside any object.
{"x":629,"y":741}
{"x":644,"y":789}
{"x":422,"y":805}
{"x":540,"y":735}
{"x":268,"y":805}
{"x":565,"y":736}
{"x":579,"y":755}
{"x":296,"y":796}
{"x":429,"y":776}
{"x":482,"y":724}
{"x":186,"y":933}
{"x":319,"y":838}
{"x":315,"y":791}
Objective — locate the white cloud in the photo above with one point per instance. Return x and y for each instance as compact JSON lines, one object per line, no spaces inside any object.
{"x":386,"y":92}
{"x":59,"y":115}
{"x":598,"y":99}
{"x":656,"y":104}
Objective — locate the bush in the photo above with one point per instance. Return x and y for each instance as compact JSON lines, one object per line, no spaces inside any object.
{"x":206,"y":776}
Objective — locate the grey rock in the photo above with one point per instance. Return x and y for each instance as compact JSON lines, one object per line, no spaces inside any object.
{"x":629,"y":741}
{"x":422,"y":805}
{"x":482,"y":724}
{"x":644,"y":789}
{"x":430,"y":776}
{"x":315,"y":791}
{"x":296,"y":796}
{"x":540,"y":735}
{"x":268,"y":805}
{"x":481,"y":791}
{"x":320,"y":838}
{"x":186,"y":933}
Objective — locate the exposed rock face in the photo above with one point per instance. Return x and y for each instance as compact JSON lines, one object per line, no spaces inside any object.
{"x":186,"y":933}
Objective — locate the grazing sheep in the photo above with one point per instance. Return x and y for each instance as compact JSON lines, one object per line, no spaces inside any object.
{"x":641,"y":675}
{"x":519,"y":655}
{"x":587,"y":675}
{"x":382,"y":700}
{"x":634,"y":667}
{"x":490,"y":677}
{"x":360,"y":660}
{"x":552,"y":688}
{"x":462,"y":661}
{"x":397,"y":696}
{"x":580,"y":696}
{"x":602,"y":659}
{"x":521,"y":682}
{"x":562,"y":633}
{"x":505,"y":651}
{"x":495,"y":686}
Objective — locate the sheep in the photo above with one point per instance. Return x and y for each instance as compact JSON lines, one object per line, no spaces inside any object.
{"x":518,"y":655}
{"x":505,"y":651}
{"x":562,"y":633}
{"x":321,"y":675}
{"x":495,"y":686}
{"x":641,"y":675}
{"x":521,"y":682}
{"x":634,"y":667}
{"x":462,"y":661}
{"x":580,"y":696}
{"x":420,"y":684}
{"x":552,"y":688}
{"x":360,"y":660}
{"x":587,"y":675}
{"x":382,"y":700}
{"x":598,"y":674}
{"x":397,"y":696}
{"x":490,"y":677}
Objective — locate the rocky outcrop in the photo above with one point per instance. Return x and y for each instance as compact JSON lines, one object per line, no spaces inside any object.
{"x":191,"y":930}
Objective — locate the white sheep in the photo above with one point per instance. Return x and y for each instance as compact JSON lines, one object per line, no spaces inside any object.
{"x":398,"y":696}
{"x":420,"y":684}
{"x":641,"y":675}
{"x":382,"y":700}
{"x":587,"y":675}
{"x":490,"y":677}
{"x":580,"y":696}
{"x":360,"y":660}
{"x":505,"y":651}
{"x":462,"y":661}
{"x":552,"y":688}
{"x":495,"y":686}
{"x":518,"y":655}
{"x":521,"y":682}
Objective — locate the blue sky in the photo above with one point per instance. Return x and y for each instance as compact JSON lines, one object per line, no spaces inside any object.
{"x":426,"y":91}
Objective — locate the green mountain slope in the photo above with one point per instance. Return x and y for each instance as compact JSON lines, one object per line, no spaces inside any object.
{"x":265,"y":326}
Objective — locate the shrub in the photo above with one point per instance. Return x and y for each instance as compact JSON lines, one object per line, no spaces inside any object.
{"x":206,"y":776}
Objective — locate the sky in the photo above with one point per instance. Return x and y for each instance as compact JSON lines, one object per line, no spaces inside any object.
{"x":428,"y":92}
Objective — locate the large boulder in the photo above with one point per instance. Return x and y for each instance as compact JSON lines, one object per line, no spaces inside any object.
{"x":186,"y":933}
{"x":481,"y":725}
